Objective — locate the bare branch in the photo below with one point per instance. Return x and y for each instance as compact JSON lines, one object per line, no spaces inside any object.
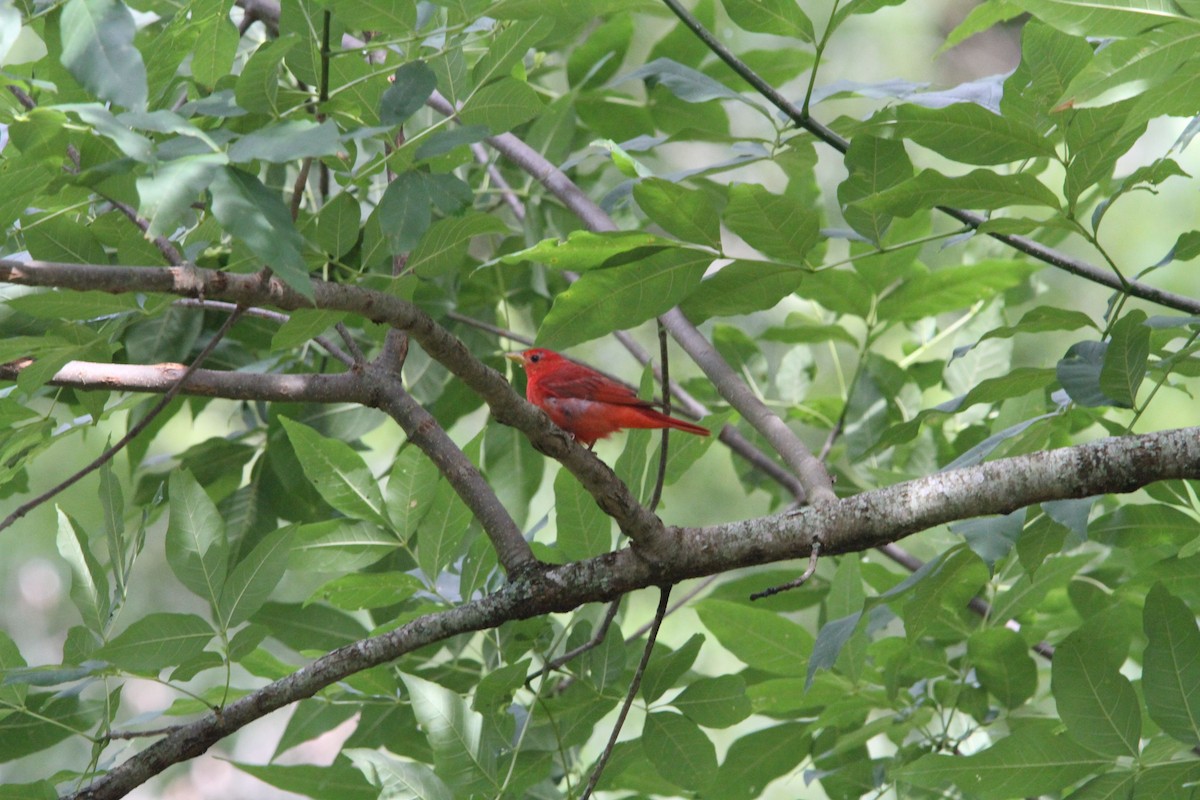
{"x":853,"y":524}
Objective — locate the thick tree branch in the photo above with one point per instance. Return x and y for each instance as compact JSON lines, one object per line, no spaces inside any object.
{"x":871,"y":519}
{"x":507,"y":407}
{"x":1029,"y":247}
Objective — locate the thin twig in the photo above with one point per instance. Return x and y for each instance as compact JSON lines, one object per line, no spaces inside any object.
{"x":1022,"y":244}
{"x":664,"y":597}
{"x":808,"y":573}
{"x":666,"y":439}
{"x":137,"y":428}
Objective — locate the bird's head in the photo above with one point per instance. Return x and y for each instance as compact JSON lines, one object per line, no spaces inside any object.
{"x":536,"y":359}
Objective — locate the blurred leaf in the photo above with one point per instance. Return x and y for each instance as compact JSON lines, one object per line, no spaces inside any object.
{"x":1030,"y":761}
{"x":501,"y":106}
{"x":715,"y":702}
{"x":97,"y":48}
{"x":761,"y":639}
{"x":509,"y":48}
{"x":257,"y":216}
{"x":303,"y":325}
{"x":413,"y":83}
{"x":1102,"y":18}
{"x":286,"y":141}
{"x":776,"y":17}
{"x":679,"y":750}
{"x":743,"y":287}
{"x":336,"y":781}
{"x":1079,"y":373}
{"x":338,"y":225}
{"x":617,"y":298}
{"x":1171,"y":666}
{"x":583,"y":250}
{"x":1125,"y":359}
{"x":1097,"y":703}
{"x":157,"y":641}
{"x":778,"y":226}
{"x":338,"y":473}
{"x":462,"y":754}
{"x":443,"y":247}
{"x":1002,"y":662}
{"x":197,"y":549}
{"x":584,"y":530}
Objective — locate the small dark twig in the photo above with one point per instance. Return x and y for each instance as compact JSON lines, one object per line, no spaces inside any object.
{"x":664,"y":597}
{"x":666,"y":402}
{"x":575,"y":652}
{"x":808,"y":573}
{"x":351,"y":345}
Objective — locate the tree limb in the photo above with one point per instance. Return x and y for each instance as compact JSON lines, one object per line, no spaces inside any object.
{"x":853,"y":524}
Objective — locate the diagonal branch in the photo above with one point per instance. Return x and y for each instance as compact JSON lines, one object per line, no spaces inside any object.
{"x":812,"y":475}
{"x":1021,"y":244}
{"x":871,"y":519}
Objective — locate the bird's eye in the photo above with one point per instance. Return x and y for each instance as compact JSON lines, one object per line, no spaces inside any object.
{"x":535,"y":358}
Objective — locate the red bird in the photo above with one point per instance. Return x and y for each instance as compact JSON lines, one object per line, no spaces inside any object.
{"x":585,"y":403}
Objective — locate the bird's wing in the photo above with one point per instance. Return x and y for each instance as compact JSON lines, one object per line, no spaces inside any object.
{"x":589,"y":386}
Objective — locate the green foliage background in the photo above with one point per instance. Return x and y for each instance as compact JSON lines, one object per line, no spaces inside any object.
{"x":235,"y":540}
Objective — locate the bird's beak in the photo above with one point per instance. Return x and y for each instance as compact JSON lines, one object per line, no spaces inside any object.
{"x":517,"y":357}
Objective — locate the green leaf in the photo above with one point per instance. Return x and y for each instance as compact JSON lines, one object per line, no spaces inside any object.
{"x":1031,"y":761}
{"x":1125,"y":359}
{"x":758,"y":758}
{"x":414,"y":83}
{"x":197,"y":550}
{"x":286,"y":141}
{"x":462,"y":754}
{"x":257,"y":216}
{"x":616,"y":298}
{"x":216,"y":43}
{"x":981,"y":18}
{"x":339,"y":545}
{"x":686,"y":213}
{"x":404,"y":211}
{"x":940,"y":598}
{"x":971,"y":134}
{"x":59,"y":238}
{"x":399,"y":779}
{"x":43,"y":722}
{"x":338,"y":225}
{"x":980,"y":189}
{"x":396,"y":17}
{"x":743,"y":287}
{"x":336,"y":781}
{"x":309,"y":628}
{"x":253,"y":579}
{"x":1097,"y":703}
{"x":1103,"y":17}
{"x":779,"y":226}
{"x":1139,"y":526}
{"x":169,"y":191}
{"x":411,"y":487}
{"x":442,"y":531}
{"x":509,"y":48}
{"x":1002,"y":662}
{"x":759,"y":638}
{"x":583,"y":529}
{"x":257,"y":86}
{"x":443,"y":248}
{"x":1171,"y":666}
{"x":374,"y":590}
{"x":338,"y":473}
{"x":501,"y":106}
{"x":513,"y":468}
{"x":776,"y":17}
{"x":303,"y":325}
{"x":584,"y":250}
{"x":157,"y":641}
{"x":715,"y":702}
{"x":312,"y":717}
{"x":952,"y":289}
{"x":679,"y":750}
{"x":89,"y":583}
{"x":668,"y":666}
{"x":1079,"y":373}
{"x":874,"y":164}
{"x":682,"y":81}
{"x":97,"y":49}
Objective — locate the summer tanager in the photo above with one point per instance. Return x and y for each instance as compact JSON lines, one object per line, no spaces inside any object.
{"x":585,"y":403}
